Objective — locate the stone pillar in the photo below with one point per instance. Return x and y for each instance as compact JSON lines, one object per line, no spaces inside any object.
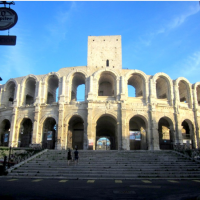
{"x":196,"y":117}
{"x":35,"y":136}
{"x":123,"y":90}
{"x":118,"y":128}
{"x":123,"y":131}
{"x":62,"y":89}
{"x":13,"y":141}
{"x":178,"y":137}
{"x":90,"y":94}
{"x":59,"y":137}
{"x":68,"y":90}
{"x":90,"y":134}
{"x":154,"y":136}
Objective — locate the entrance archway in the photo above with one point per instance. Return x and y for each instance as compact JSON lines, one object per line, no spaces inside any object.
{"x":4,"y":132}
{"x":49,"y":133}
{"x":137,"y":130}
{"x":107,"y":128}
{"x":103,"y":143}
{"x":25,"y":133}
{"x":188,"y":133}
{"x":165,"y":130}
{"x":75,"y":133}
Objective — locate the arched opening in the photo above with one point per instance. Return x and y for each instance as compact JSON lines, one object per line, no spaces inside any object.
{"x":136,"y":82}
{"x":5,"y":132}
{"x":162,"y":90}
{"x":77,"y":80}
{"x":188,"y":133}
{"x":52,"y":89}
{"x":106,"y":84}
{"x":103,"y":143}
{"x":75,"y":136}
{"x":165,"y":131}
{"x":198,"y":94}
{"x":25,"y":133}
{"x":137,"y":131}
{"x":49,"y":133}
{"x":30,"y":91}
{"x":81,"y":92}
{"x":107,"y":128}
{"x":183,"y":92}
{"x":9,"y":94}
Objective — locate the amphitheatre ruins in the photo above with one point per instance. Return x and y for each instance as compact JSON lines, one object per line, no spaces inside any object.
{"x":162,"y":113}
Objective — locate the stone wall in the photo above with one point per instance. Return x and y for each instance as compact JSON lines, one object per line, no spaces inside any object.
{"x":159,"y":99}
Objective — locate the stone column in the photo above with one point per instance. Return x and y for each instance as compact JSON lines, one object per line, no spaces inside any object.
{"x":90,"y":134}
{"x":178,"y":137}
{"x":123,"y":127}
{"x":154,"y":136}
{"x":68,"y":90}
{"x":13,"y":129}
{"x":123,"y":90}
{"x":118,"y":128}
{"x":62,"y":87}
{"x":90,"y":94}
{"x":35,"y":136}
{"x":196,"y":117}
{"x":60,"y":127}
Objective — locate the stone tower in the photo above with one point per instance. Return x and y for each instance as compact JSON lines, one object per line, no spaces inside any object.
{"x":104,"y":51}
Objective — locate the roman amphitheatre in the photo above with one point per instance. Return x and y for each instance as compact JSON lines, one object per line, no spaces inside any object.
{"x":44,"y":109}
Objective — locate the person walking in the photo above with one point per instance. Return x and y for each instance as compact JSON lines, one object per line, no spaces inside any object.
{"x":69,"y":156}
{"x":76,"y":156}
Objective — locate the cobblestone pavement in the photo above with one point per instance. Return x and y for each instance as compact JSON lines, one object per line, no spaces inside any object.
{"x":48,"y":189}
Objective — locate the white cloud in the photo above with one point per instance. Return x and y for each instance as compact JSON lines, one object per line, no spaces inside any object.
{"x":174,"y":23}
{"x":191,"y":65}
{"x":58,"y":28}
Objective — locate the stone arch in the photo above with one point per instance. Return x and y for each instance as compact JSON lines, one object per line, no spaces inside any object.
{"x":70,"y":75}
{"x":70,"y":115}
{"x":49,"y":133}
{"x":24,"y":132}
{"x":76,"y":79}
{"x":43,"y":118}
{"x":28,"y":76}
{"x":45,"y":78}
{"x":75,"y":133}
{"x":100,"y":114}
{"x":188,"y":132}
{"x":137,"y":132}
{"x":29,"y":85}
{"x":10,"y":91}
{"x":166,"y":132}
{"x":138,"y":80}
{"x":161,"y":91}
{"x":99,"y":72}
{"x":184,"y":87}
{"x":107,"y":126}
{"x":136,"y":114}
{"x":5,"y":126}
{"x":105,"y":82}
{"x":196,"y":88}
{"x":51,"y":81}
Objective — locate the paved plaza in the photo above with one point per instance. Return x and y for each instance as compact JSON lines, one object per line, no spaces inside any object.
{"x":143,"y":189}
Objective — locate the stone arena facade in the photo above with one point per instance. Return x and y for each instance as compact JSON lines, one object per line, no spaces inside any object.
{"x":163,"y":112}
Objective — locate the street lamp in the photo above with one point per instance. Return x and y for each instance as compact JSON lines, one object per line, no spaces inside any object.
{"x":1,"y":79}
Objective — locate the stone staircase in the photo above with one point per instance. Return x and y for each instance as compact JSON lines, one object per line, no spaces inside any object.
{"x":109,"y":165}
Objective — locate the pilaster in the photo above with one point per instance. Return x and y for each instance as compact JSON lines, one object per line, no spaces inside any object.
{"x":13,"y":129}
{"x":59,"y":141}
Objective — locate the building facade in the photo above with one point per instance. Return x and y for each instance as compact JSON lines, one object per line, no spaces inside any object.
{"x":162,"y":113}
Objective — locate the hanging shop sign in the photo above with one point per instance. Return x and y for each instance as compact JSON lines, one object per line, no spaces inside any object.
{"x":8,"y":18}
{"x":7,"y":40}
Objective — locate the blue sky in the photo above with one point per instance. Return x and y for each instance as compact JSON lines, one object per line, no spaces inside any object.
{"x":156,"y":36}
